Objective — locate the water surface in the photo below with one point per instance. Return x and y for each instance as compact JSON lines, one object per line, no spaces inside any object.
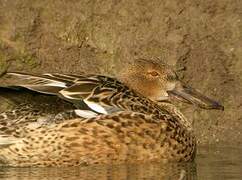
{"x":212,"y":163}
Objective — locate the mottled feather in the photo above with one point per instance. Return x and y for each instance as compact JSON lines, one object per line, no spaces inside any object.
{"x":137,"y":125}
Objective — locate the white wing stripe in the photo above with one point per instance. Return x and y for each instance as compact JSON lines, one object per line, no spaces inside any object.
{"x":47,"y":82}
{"x":56,"y":83}
{"x":85,"y":113}
{"x":96,"y":107}
{"x":70,"y":95}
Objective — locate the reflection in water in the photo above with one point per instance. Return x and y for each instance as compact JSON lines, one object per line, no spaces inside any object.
{"x":116,"y":172}
{"x":221,"y":162}
{"x":212,"y":163}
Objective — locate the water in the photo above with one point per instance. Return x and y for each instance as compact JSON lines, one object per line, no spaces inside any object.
{"x":212,"y":163}
{"x":221,"y":162}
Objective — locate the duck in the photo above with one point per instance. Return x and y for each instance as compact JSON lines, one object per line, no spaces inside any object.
{"x":98,"y":94}
{"x":132,"y":120}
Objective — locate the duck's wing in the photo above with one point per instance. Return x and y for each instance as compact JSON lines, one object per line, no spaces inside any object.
{"x":97,"y":92}
{"x":46,"y":83}
{"x":90,"y":93}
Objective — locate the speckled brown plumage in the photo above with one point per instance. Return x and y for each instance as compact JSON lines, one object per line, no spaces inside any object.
{"x":145,"y":128}
{"x":117,"y":138}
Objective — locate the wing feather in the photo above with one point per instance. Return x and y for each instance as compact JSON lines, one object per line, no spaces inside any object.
{"x":94,"y":91}
{"x":38,"y":83}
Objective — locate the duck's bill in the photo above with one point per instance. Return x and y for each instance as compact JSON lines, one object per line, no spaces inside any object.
{"x":192,"y":96}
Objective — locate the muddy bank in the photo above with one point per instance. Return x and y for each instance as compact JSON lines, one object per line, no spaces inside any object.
{"x":203,"y":38}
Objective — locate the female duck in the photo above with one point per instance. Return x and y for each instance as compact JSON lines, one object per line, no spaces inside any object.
{"x":145,"y":131}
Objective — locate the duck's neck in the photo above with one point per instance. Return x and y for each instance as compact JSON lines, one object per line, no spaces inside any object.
{"x":174,"y":111}
{"x":165,"y":110}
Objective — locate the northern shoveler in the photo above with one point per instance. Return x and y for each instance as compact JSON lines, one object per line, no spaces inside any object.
{"x":97,"y":94}
{"x":142,"y":129}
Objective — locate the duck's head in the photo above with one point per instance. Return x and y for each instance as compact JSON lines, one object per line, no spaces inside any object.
{"x":159,"y":82}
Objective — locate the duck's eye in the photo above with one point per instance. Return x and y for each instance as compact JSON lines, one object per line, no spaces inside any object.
{"x":154,"y":73}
